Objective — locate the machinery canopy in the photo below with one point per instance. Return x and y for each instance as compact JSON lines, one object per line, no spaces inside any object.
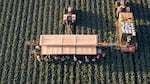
{"x":122,"y":1}
{"x":128,"y":28}
{"x":68,"y":44}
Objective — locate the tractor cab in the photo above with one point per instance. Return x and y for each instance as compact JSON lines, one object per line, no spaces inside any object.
{"x":122,"y":6}
{"x":69,"y":9}
{"x":69,"y":16}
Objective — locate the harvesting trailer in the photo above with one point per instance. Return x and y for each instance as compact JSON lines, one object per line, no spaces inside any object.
{"x":125,"y":27}
{"x":84,"y":46}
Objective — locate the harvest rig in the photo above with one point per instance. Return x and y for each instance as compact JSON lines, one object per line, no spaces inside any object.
{"x":86,"y":46}
{"x":125,"y":27}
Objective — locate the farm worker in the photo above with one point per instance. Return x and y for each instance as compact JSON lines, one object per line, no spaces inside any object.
{"x":37,"y":47}
{"x":80,"y":61}
{"x":38,"y":58}
{"x":67,"y":57}
{"x":99,"y":51}
{"x":56,"y":58}
{"x":128,"y":39}
{"x":86,"y":59}
{"x":46,"y":58}
{"x":98,"y":56}
{"x":32,"y":42}
{"x":62,"y":58}
{"x":103,"y":54}
{"x":33,"y":51}
{"x":93,"y":59}
{"x":36,"y":55}
{"x":74,"y":58}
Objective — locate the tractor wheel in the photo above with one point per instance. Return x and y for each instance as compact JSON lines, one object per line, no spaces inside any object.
{"x":65,"y":11}
{"x":73,"y":10}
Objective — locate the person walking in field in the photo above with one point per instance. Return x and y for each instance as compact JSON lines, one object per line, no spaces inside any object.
{"x":35,"y":54}
{"x":38,"y":58}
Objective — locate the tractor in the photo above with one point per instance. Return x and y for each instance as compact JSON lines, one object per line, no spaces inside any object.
{"x":69,"y":18}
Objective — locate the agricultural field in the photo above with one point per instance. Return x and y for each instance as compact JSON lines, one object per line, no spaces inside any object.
{"x":22,"y":20}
